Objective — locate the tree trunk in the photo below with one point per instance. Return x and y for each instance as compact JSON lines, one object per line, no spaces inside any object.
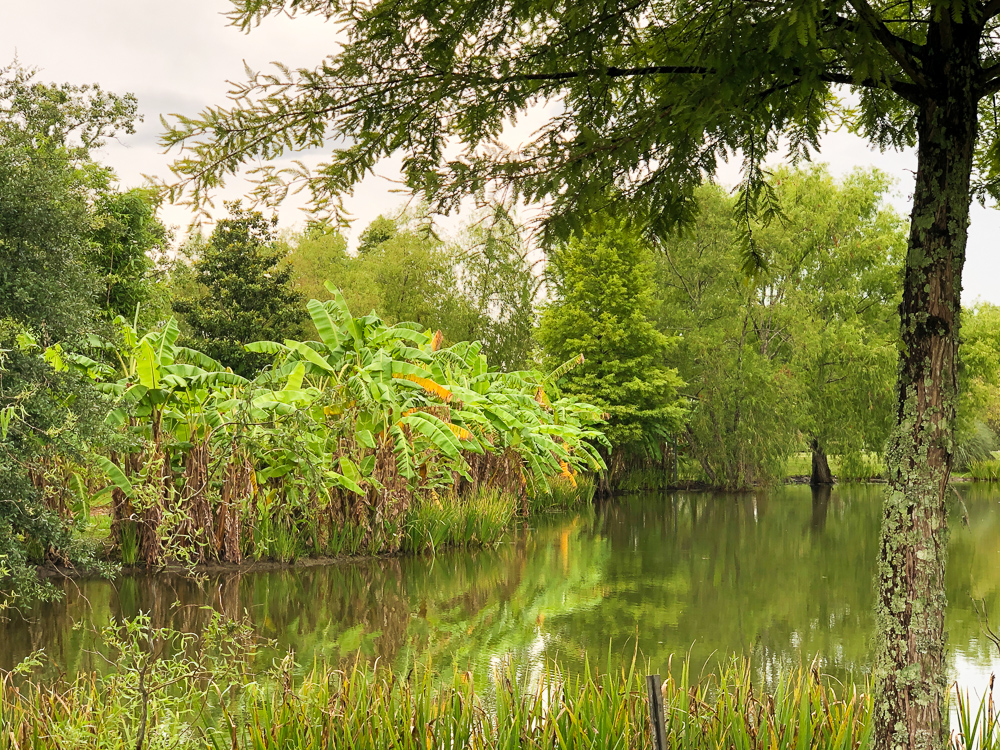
{"x":820,"y":466}
{"x":910,"y":663}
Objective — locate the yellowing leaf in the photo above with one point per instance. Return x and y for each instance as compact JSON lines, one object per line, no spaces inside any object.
{"x":427,"y":384}
{"x":567,"y":473}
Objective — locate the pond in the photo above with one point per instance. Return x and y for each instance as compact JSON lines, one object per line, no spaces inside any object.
{"x":783,"y":575}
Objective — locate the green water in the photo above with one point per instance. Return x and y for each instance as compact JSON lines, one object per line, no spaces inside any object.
{"x":784,"y":575}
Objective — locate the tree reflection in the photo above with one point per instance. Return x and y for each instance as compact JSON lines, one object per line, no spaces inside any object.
{"x":783,"y":575}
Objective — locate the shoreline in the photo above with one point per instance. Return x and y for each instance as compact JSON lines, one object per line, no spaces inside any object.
{"x":51,"y":571}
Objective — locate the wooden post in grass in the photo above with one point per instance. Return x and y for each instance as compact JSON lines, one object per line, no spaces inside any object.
{"x":658,"y":732}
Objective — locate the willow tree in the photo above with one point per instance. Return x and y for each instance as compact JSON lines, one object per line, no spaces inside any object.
{"x":640,"y":100}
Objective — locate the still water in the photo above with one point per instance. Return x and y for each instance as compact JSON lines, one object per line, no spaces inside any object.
{"x":783,"y":575}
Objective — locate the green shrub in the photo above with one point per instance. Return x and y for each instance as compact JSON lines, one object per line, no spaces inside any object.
{"x":985,"y":471}
{"x":216,"y":703}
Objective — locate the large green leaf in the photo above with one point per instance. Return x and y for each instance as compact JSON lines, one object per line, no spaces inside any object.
{"x":117,"y":477}
{"x":309,"y":355}
{"x":265,"y":347}
{"x":435,"y":430}
{"x":183,"y":354}
{"x":147,"y":368}
{"x":324,"y":322}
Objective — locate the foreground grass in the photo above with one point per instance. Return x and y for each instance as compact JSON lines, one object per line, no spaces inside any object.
{"x":183,"y":703}
{"x":366,"y":709}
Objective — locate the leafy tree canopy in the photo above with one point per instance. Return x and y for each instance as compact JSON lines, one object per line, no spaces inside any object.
{"x":479,"y":286}
{"x":47,"y":300}
{"x":806,"y":347}
{"x":838,"y":255}
{"x":979,"y":409}
{"x":498,"y":280}
{"x":244,"y":292}
{"x":602,"y":295}
{"x":126,"y":234}
{"x":651,"y":95}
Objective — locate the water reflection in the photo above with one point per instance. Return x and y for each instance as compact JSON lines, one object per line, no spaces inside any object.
{"x":785,"y":575}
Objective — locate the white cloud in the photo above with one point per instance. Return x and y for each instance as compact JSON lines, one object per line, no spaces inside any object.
{"x":178,"y":56}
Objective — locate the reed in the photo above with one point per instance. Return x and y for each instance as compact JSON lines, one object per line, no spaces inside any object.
{"x":985,"y":471}
{"x":480,"y":520}
{"x":364,"y":708}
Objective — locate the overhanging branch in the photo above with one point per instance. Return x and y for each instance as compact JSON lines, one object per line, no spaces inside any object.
{"x":989,"y":85}
{"x":991,"y":9}
{"x":611,"y":72}
{"x":894,"y":45}
{"x":905,"y":89}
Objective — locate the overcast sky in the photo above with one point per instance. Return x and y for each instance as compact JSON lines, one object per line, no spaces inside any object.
{"x":177,"y":57}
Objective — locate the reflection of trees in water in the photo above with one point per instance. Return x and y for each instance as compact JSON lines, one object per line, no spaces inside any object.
{"x":973,"y":571}
{"x":784,"y":574}
{"x":758,"y":572}
{"x":451,"y":608}
{"x":821,"y":494}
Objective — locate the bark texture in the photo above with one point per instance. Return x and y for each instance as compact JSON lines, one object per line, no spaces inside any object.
{"x":821,"y":473}
{"x":910,"y":660}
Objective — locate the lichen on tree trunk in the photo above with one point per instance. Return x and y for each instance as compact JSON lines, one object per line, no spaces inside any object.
{"x":910,"y":659}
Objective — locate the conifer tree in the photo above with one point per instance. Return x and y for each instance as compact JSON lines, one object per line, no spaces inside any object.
{"x":603,"y":296}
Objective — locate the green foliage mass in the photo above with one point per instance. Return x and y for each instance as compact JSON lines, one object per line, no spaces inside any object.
{"x":244,"y":292}
{"x":345,"y":445}
{"x":837,"y":259}
{"x":497,"y":279}
{"x":602,"y":297}
{"x":744,"y":400}
{"x":48,"y":182}
{"x":125,"y":236}
{"x":806,"y":347}
{"x":479,"y":286}
{"x":979,"y":408}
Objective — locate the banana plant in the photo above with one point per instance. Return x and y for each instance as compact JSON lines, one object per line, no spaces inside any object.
{"x":436,"y":405}
{"x":361,"y":421}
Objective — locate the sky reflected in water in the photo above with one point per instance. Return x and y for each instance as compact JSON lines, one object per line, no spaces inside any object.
{"x":783,"y":575}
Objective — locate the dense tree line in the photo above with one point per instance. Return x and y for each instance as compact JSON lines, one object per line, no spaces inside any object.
{"x":663,"y":331}
{"x":782,"y":318}
{"x":74,"y":251}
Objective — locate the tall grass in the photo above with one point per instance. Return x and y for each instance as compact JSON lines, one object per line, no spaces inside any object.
{"x":128,"y":544}
{"x":564,"y":493}
{"x":480,"y":517}
{"x":849,"y":467}
{"x":361,"y":708}
{"x":985,"y":471}
{"x":859,"y":467}
{"x":479,"y":520}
